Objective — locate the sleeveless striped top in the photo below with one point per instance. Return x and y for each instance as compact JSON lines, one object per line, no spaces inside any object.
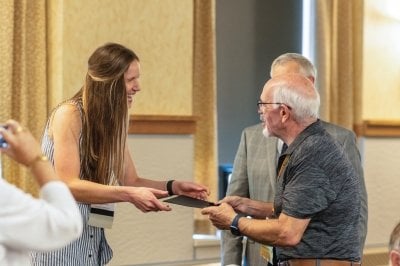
{"x":91,"y":248}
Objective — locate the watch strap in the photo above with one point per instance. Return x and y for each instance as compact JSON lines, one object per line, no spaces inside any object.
{"x":235,"y":224}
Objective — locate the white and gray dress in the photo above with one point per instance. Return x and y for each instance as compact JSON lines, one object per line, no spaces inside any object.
{"x":92,"y":247}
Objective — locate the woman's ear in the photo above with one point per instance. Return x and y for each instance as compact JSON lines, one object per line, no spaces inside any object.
{"x":394,"y":257}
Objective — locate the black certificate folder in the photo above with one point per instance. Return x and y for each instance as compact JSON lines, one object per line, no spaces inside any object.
{"x":190,"y":202}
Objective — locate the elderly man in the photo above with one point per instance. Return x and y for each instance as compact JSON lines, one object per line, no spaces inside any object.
{"x":254,"y":172}
{"x":317,"y":200}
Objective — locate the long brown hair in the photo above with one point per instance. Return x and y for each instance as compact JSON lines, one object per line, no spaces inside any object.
{"x":105,"y":113}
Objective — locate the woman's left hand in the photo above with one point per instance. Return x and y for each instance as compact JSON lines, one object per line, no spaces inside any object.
{"x":190,"y":189}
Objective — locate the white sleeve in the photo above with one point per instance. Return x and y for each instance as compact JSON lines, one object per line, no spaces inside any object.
{"x":27,"y":223}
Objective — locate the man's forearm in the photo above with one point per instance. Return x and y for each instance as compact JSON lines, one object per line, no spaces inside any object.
{"x":259,"y":209}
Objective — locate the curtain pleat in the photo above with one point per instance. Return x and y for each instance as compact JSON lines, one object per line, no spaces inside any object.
{"x":23,"y":75}
{"x":204,"y":96}
{"x":339,"y":60}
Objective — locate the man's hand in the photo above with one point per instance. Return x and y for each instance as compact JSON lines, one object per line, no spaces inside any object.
{"x":254,"y":208}
{"x":221,"y":216}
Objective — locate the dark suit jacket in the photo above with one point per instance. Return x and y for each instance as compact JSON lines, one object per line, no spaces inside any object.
{"x":253,"y":176}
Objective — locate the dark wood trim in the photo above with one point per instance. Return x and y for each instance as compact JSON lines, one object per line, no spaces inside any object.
{"x":182,"y":125}
{"x":162,"y":124}
{"x":378,"y":128}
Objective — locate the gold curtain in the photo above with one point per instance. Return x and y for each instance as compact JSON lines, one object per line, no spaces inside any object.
{"x":339,"y":26}
{"x":23,"y":74}
{"x":204,"y":95}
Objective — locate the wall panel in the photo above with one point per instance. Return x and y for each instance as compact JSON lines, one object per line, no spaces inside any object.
{"x":159,"y":31}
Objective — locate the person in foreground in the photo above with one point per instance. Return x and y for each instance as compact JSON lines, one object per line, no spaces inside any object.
{"x":254,"y":171}
{"x":394,"y":247}
{"x":27,"y":223}
{"x":315,"y":215}
{"x":86,"y":139}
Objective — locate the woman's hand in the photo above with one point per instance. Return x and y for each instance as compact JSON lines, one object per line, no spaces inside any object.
{"x":190,"y":189}
{"x":21,"y":145}
{"x":145,"y":199}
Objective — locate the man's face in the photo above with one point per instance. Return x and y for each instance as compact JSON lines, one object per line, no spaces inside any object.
{"x":269,"y":112}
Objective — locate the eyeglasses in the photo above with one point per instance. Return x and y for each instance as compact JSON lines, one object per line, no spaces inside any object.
{"x":261,"y":104}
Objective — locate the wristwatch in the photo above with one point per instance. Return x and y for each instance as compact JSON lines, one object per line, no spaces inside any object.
{"x":234,"y":225}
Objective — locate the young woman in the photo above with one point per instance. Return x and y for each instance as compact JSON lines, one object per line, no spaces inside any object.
{"x":85,"y":138}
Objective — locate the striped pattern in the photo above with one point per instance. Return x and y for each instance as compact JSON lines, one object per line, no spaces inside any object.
{"x":92,"y":247}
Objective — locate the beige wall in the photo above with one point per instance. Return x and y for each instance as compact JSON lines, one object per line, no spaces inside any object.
{"x":382,"y":170}
{"x":381,"y":101}
{"x":138,"y":238}
{"x":159,"y":31}
{"x":381,"y":73}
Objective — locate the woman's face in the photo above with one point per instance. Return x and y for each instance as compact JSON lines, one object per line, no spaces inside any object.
{"x":132,"y":84}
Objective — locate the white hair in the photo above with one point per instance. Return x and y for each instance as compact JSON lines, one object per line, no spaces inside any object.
{"x":306,"y":67}
{"x":303,"y":106}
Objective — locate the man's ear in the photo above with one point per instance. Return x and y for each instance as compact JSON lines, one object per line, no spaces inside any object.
{"x":312,"y":79}
{"x":284,"y":112}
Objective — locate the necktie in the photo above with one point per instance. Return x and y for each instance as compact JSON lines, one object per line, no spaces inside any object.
{"x":284,"y":148}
